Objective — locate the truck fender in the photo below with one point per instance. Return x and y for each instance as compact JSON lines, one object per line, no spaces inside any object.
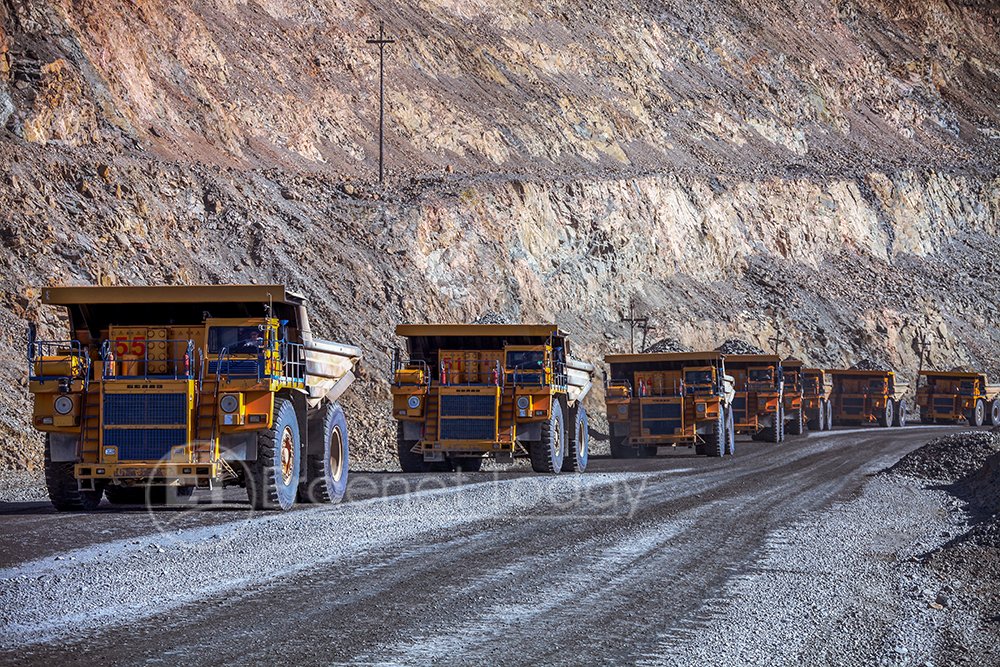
{"x":62,"y":447}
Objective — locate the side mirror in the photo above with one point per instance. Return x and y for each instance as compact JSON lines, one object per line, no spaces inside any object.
{"x":32,"y":337}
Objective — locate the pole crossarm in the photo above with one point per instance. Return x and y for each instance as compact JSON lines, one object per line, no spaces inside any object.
{"x":381,"y":41}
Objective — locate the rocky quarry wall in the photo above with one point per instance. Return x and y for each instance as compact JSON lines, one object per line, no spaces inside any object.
{"x":827,"y":170}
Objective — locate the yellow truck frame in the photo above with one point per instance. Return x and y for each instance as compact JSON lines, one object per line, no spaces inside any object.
{"x":669,"y":400}
{"x":158,"y":391}
{"x":758,"y":404}
{"x":816,"y":399}
{"x":950,"y":397}
{"x":465,"y":392}
{"x":861,"y":397}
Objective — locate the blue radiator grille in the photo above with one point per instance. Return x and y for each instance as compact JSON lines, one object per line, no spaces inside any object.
{"x":468,"y":429}
{"x":145,"y":409}
{"x":661,"y":426}
{"x":241,"y":367}
{"x":468,"y":406}
{"x":144,"y":444}
{"x":661,"y":410}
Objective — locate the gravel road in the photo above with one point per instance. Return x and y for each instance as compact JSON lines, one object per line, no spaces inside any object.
{"x":675,"y":560}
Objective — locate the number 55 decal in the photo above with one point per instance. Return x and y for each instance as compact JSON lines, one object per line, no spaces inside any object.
{"x":137,"y":346}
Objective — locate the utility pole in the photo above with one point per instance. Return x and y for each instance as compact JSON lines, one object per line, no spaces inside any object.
{"x":381,"y":41}
{"x":634,"y":323}
{"x":923,"y":345}
{"x":776,"y":340}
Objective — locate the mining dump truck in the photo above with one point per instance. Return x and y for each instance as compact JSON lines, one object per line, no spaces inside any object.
{"x":948,"y":398}
{"x":463,"y":393}
{"x":792,"y":397}
{"x":861,"y":397}
{"x":669,"y":399}
{"x":816,"y":399}
{"x":158,"y":391}
{"x":758,"y":405}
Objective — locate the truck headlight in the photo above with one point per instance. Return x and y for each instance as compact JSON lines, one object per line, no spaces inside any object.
{"x":700,"y":407}
{"x":623,"y":409}
{"x":523,"y":402}
{"x":63,"y":405}
{"x":413,"y":402}
{"x":229,"y":403}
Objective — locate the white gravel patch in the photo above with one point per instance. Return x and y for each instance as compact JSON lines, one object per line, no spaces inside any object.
{"x":54,"y":598}
{"x":841,"y":587}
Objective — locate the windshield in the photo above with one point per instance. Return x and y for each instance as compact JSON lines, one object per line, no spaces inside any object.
{"x":760,"y":375}
{"x":967,"y":387}
{"x":237,"y":340}
{"x":792,"y":380}
{"x":876,"y":385}
{"x":525,"y":360}
{"x":810,"y":384}
{"x":698,"y":377}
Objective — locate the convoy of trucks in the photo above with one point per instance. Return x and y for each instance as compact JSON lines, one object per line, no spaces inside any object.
{"x":158,"y":391}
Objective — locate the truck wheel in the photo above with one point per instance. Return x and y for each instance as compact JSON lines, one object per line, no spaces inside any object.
{"x":716,"y":443}
{"x":829,"y":415}
{"x":797,"y":425}
{"x":273,"y":480}
{"x":730,"y":433}
{"x":547,"y":454}
{"x":64,"y":492}
{"x":781,"y":422}
{"x":327,"y":464}
{"x":409,"y":461}
{"x":885,"y":419}
{"x":621,"y":450}
{"x":775,"y":432}
{"x":467,"y":463}
{"x":899,"y":417}
{"x":993,"y":414}
{"x":578,"y":452}
{"x":977,"y":415}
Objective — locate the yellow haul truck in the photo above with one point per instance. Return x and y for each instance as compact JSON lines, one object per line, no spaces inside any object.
{"x":758,"y":405}
{"x":816,"y":399}
{"x":669,"y":399}
{"x":792,"y":398}
{"x":169,"y":389}
{"x":862,"y":397}
{"x":466,"y":392}
{"x":948,"y":398}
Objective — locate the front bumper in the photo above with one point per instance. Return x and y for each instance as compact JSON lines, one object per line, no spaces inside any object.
{"x":158,"y":473}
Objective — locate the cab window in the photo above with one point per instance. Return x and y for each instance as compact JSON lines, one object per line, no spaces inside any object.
{"x":698,"y":377}
{"x":760,"y":375}
{"x":237,"y":340}
{"x":525,"y":360}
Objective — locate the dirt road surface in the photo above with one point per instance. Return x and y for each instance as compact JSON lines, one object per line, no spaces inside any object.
{"x":622,"y":564}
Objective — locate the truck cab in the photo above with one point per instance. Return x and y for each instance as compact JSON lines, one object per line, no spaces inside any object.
{"x":758,"y":403}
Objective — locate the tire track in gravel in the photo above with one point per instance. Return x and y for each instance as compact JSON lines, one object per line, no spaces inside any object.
{"x":520,"y":584}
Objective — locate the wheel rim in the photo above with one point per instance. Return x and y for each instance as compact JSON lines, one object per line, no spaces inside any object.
{"x":336,"y":454}
{"x":979,"y":413}
{"x":580,"y":438}
{"x":556,"y":439}
{"x":287,"y":455}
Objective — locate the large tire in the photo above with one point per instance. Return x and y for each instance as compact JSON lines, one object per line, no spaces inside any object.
{"x":977,"y":415}
{"x":776,"y":431}
{"x":818,"y":423}
{"x":899,"y":416}
{"x":328,"y":462}
{"x":888,"y":414}
{"x":64,"y":491}
{"x":409,"y":461}
{"x":730,"y":433}
{"x":797,"y":426}
{"x":621,"y":450}
{"x":578,"y":451}
{"x":273,"y":479}
{"x":547,"y":454}
{"x":829,"y":416}
{"x":715,"y":443}
{"x":993,"y":414}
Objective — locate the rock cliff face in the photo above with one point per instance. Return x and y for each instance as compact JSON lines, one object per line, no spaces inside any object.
{"x":827,"y":170}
